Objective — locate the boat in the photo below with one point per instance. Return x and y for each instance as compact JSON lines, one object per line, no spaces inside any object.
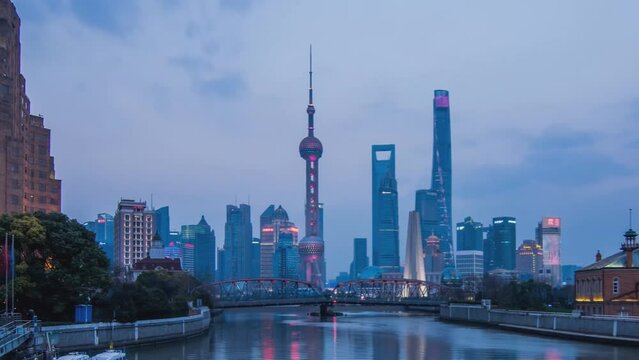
{"x":110,"y":355}
{"x":74,"y":356}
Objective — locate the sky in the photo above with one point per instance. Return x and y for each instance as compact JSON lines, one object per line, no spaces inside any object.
{"x":200,"y":104}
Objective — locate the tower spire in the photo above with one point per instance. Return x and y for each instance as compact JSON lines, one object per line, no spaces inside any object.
{"x":310,"y":73}
{"x":310,"y":109}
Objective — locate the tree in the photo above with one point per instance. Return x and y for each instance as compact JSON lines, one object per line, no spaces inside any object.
{"x":58,"y":264}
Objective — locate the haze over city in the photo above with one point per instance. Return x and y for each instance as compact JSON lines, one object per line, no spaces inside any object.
{"x":202,"y":104}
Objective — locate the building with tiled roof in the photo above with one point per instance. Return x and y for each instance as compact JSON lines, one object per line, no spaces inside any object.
{"x":610,"y":286}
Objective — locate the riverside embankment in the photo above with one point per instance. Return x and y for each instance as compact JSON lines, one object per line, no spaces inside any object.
{"x":607,"y":329}
{"x":101,"y":335}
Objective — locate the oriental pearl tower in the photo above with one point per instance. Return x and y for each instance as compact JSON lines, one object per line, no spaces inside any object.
{"x":311,"y":247}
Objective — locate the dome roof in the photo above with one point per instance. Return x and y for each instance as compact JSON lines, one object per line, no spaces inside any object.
{"x":311,"y":145}
{"x":280,"y":214}
{"x":311,"y":245}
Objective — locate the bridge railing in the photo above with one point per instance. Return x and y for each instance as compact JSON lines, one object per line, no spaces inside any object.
{"x":14,"y":334}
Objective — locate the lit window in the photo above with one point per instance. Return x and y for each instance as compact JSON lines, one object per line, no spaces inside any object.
{"x":615,"y":286}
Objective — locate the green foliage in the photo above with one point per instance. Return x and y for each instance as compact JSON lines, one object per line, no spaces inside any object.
{"x":155,"y":294}
{"x":529,"y":295}
{"x":58,"y":264}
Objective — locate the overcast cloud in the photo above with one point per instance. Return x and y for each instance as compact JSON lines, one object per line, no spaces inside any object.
{"x":203,"y":102}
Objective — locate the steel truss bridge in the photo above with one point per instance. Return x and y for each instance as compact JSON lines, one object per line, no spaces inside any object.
{"x":276,"y":291}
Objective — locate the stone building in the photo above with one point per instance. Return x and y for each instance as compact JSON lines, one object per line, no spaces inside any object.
{"x":27,"y":174}
{"x":610,"y":286}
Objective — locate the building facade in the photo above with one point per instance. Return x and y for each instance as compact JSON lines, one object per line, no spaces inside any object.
{"x":103,"y":227}
{"x":286,"y":259}
{"x":202,"y":237}
{"x":238,"y":240}
{"x":360,"y":258}
{"x":274,"y":225}
{"x":414,"y":260}
{"x":610,"y":286}
{"x":530,"y":256}
{"x":27,"y":171}
{"x":470,"y":268}
{"x":385,"y":207}
{"x":501,"y":244}
{"x":311,"y":247}
{"x":434,"y":260}
{"x":548,"y":234}
{"x":134,"y":227}
{"x":441,"y":175}
{"x":163,"y":224}
{"x":470,"y":235}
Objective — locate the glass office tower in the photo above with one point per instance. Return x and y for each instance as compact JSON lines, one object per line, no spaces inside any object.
{"x":385,"y":208}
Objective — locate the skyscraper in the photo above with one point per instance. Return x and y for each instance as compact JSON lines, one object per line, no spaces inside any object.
{"x":134,"y":227}
{"x":414,"y":260}
{"x":102,"y":227}
{"x":548,"y":234}
{"x":385,"y":207}
{"x":27,"y":171}
{"x":360,"y":258}
{"x":274,"y":223}
{"x":311,"y":248}
{"x":238,"y":239}
{"x":530,"y":260}
{"x":502,"y":237}
{"x":470,"y":235}
{"x":255,"y":258}
{"x":202,"y":237}
{"x":434,"y":261}
{"x":441,"y":175}
{"x":286,"y":259}
{"x":163,"y":224}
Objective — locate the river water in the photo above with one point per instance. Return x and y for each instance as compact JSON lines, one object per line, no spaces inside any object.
{"x":289,"y":333}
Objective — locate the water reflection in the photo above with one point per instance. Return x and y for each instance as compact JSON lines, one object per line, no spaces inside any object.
{"x":288,"y":333}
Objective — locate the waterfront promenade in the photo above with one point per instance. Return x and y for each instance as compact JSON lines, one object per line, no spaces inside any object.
{"x":101,"y":335}
{"x":606,"y":329}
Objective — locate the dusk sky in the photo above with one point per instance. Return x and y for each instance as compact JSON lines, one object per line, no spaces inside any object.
{"x":201,"y":103}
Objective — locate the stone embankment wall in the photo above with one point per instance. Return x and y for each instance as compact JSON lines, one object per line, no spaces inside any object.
{"x":601,"y":328}
{"x":102,"y":335}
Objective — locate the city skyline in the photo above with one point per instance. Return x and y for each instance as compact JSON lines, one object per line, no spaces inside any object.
{"x":535,"y":134}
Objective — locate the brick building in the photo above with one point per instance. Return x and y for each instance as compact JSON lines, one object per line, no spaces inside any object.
{"x":610,"y":286}
{"x":27,"y":175}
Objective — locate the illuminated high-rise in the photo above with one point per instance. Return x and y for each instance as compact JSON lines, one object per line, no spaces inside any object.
{"x":548,"y":235}
{"x":441,"y":175}
{"x":275,"y":225}
{"x":385,"y":207}
{"x":530,"y":260}
{"x":500,"y":247}
{"x":311,"y":247}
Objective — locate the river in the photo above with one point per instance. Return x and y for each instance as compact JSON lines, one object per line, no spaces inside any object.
{"x":288,"y":333}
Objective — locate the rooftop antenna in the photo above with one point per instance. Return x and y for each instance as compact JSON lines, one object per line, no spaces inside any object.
{"x":310,"y":73}
{"x":630,"y":216}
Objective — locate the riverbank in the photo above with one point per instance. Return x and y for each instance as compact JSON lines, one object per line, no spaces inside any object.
{"x":96,"y":336}
{"x":604,"y":329}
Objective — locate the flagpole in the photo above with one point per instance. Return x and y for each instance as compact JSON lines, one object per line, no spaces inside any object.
{"x":13,"y":273}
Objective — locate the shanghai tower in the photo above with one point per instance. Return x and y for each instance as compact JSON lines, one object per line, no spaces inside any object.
{"x":441,"y":180}
{"x":311,"y":247}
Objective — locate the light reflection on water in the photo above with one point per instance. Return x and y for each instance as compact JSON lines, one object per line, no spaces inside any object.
{"x":288,"y":333}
